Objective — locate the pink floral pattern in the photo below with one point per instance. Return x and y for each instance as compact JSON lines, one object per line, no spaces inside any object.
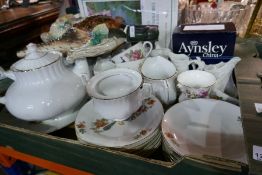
{"x":134,"y":55}
{"x":196,"y":93}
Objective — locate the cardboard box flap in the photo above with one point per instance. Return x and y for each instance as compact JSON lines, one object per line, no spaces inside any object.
{"x":91,"y":158}
{"x":206,"y":28}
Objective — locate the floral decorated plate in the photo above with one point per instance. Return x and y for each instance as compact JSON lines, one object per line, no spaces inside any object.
{"x":205,"y":127}
{"x":92,"y":128}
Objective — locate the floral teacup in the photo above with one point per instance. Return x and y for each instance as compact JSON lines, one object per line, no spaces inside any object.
{"x":196,"y":83}
{"x":136,"y":52}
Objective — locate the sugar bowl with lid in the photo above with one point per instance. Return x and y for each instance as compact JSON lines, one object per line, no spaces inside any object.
{"x":43,"y":86}
{"x":161,"y":74}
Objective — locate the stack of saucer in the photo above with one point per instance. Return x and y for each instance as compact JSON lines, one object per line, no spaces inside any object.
{"x":122,"y":113}
{"x":139,"y":134}
{"x":203,"y":127}
{"x":169,"y":152}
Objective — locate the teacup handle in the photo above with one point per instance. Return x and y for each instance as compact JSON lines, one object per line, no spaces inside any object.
{"x":170,"y":93}
{"x":145,"y":44}
{"x":147,"y":90}
{"x":164,"y":88}
{"x":198,"y":62}
{"x":181,"y":87}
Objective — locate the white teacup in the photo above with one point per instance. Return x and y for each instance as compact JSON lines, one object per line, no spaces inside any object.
{"x":136,"y":52}
{"x":134,"y":65}
{"x":196,"y":83}
{"x":161,"y":74}
{"x":117,"y":93}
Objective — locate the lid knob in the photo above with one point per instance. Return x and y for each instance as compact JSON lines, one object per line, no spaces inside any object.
{"x":34,"y":59}
{"x":32,"y":52}
{"x":31,"y":47}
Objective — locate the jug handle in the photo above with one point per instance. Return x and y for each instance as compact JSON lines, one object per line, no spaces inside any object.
{"x":146,"y":54}
{"x":201,"y":64}
{"x":82,"y":70}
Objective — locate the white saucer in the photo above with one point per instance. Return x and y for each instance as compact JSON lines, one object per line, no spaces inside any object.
{"x":46,"y":126}
{"x":205,"y":127}
{"x":92,"y":128}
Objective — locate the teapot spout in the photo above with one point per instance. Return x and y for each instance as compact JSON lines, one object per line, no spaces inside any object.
{"x":6,"y":74}
{"x":81,"y":69}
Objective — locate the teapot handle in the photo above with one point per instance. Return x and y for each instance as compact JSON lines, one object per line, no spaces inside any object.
{"x":5,"y":74}
{"x":198,"y":62}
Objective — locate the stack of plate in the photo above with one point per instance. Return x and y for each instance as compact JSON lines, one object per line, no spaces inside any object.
{"x":169,"y":152}
{"x":203,"y":127}
{"x":139,"y":134}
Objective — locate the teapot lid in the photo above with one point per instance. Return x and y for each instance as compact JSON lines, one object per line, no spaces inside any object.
{"x":34,"y":59}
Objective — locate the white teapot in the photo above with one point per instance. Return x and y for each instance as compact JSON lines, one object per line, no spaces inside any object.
{"x":43,"y":86}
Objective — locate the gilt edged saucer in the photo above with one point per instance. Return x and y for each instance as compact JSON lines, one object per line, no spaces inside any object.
{"x":92,"y":128}
{"x":205,"y":127}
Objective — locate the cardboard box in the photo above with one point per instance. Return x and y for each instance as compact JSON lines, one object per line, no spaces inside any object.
{"x":212,"y":42}
{"x":250,"y":92}
{"x":63,"y":148}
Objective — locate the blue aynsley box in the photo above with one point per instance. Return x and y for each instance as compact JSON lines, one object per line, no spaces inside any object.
{"x":213,"y":43}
